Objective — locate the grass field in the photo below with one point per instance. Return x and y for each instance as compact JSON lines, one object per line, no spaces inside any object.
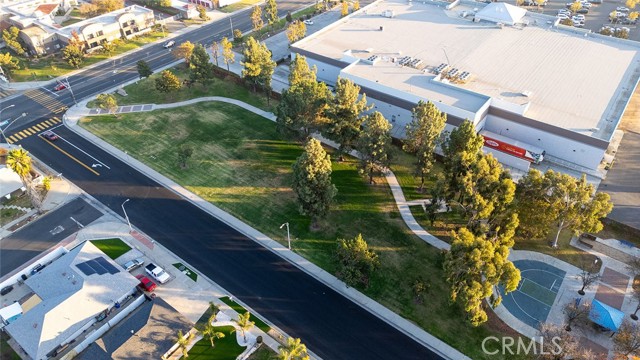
{"x":226,"y":348}
{"x":564,"y":251}
{"x":53,"y":66}
{"x":191,"y":274}
{"x":113,"y":248}
{"x":8,"y":215}
{"x":144,"y":92}
{"x":239,"y":5}
{"x":263,"y":353}
{"x":243,"y":165}
{"x":241,"y":310}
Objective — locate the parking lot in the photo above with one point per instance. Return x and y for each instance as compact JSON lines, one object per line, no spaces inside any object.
{"x":597,"y":17}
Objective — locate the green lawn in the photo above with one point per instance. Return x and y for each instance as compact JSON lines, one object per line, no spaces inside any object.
{"x":53,"y":66}
{"x":241,"y":310}
{"x":243,"y":165}
{"x":190,"y":273}
{"x":239,"y":5}
{"x":263,"y":353}
{"x":6,"y":352}
{"x":226,"y":348}
{"x":70,"y":21}
{"x":564,"y":251}
{"x":113,"y":248}
{"x":403,"y":167}
{"x":144,"y":92}
{"x":8,"y":215}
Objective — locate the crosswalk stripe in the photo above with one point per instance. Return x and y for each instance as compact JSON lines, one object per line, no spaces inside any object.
{"x":12,"y":139}
{"x":48,"y":123}
{"x":39,"y":127}
{"x":55,"y":118}
{"x":9,"y":140}
{"x":29,"y":131}
{"x":23,"y":134}
{"x":18,"y":136}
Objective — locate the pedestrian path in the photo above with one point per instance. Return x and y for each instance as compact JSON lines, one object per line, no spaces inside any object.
{"x":34,"y":130}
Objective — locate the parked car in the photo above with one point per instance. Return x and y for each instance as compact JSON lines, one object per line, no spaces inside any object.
{"x":50,"y":135}
{"x":582,"y":11}
{"x":586,"y":4}
{"x":60,"y":86}
{"x":308,"y":22}
{"x":578,"y":18}
{"x":133,"y":264}
{"x":563,"y":17}
{"x":37,"y":268}
{"x":169,"y":44}
{"x":622,"y":9}
{"x":146,"y":283}
{"x":157,"y":273}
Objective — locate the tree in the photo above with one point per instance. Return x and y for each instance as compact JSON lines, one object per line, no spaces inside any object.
{"x":575,"y":6}
{"x":202,"y":13}
{"x":105,"y":6}
{"x":107,"y":102}
{"x":530,"y":194}
{"x":19,"y":161}
{"x":588,"y":275}
{"x":460,"y":149}
{"x":422,"y":137}
{"x":271,"y":12}
{"x":200,"y":69}
{"x":356,"y":5}
{"x":88,"y":10}
{"x":373,"y":145}
{"x":244,"y":324}
{"x":8,"y":63}
{"x":566,"y":22}
{"x":258,"y":65}
{"x":474,"y":267}
{"x":184,"y":51}
{"x":289,"y":18}
{"x":296,"y":31}
{"x":108,"y":47}
{"x":556,"y":343}
{"x":626,"y":341}
{"x":215,"y":51}
{"x":575,"y":311}
{"x":294,"y":350}
{"x":344,"y":11}
{"x":633,"y":16}
{"x":636,"y":296}
{"x":312,"y":181}
{"x":345,"y":115}
{"x":256,"y":18}
{"x":144,"y":70}
{"x":12,"y":40}
{"x":237,"y":36}
{"x":228,"y":56}
{"x":356,"y":262}
{"x":300,"y":72}
{"x":184,"y":154}
{"x":167,"y":82}
{"x":613,"y":16}
{"x":568,"y":202}
{"x":73,"y":52}
{"x":184,"y":341}
{"x":631,"y":4}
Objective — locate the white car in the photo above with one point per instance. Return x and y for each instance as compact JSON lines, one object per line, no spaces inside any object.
{"x":586,"y":4}
{"x":563,"y":17}
{"x":622,"y":9}
{"x":133,"y":264}
{"x":169,"y":44}
{"x":157,"y":273}
{"x":579,"y":17}
{"x":308,"y":22}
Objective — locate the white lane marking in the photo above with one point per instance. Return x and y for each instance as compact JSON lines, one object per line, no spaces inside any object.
{"x":51,"y":128}
{"x":51,"y":92}
{"x":82,"y":151}
{"x":77,"y":222}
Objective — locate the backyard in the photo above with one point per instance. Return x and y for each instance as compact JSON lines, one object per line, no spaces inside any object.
{"x":243,"y":165}
{"x":226,"y":348}
{"x":241,"y":310}
{"x":52,"y":66}
{"x":8,"y":215}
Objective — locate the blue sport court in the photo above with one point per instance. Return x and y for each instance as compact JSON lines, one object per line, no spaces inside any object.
{"x":532,"y":300}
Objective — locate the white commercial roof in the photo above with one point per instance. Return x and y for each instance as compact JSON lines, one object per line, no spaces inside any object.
{"x":572,"y":80}
{"x":105,"y":19}
{"x":71,"y":298}
{"x":504,"y":13}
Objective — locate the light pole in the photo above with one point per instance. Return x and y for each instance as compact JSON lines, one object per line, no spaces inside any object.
{"x":126,"y":216}
{"x":231,"y":22}
{"x":1,"y":110}
{"x":11,"y":123}
{"x":71,"y":90}
{"x":288,"y":236}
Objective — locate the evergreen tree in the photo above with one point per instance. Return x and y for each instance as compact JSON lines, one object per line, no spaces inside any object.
{"x":144,"y":70}
{"x":423,"y":135}
{"x":345,"y":115}
{"x":299,"y":71}
{"x":200,"y":69}
{"x":167,"y":82}
{"x":11,"y":38}
{"x":302,"y":108}
{"x":373,"y":145}
{"x":356,"y":262}
{"x":474,"y":266}
{"x":461,"y":150}
{"x":312,"y":181}
{"x":184,"y":51}
{"x":296,"y":31}
{"x":73,"y":52}
{"x":258,"y":65}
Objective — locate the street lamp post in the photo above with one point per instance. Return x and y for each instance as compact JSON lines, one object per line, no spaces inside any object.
{"x":288,"y":236}
{"x":231,"y":22}
{"x":126,"y":216}
{"x":71,"y":90}
{"x":1,"y":110}
{"x":11,"y":123}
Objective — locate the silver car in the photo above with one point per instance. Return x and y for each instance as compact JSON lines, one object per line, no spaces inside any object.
{"x":133,"y":264}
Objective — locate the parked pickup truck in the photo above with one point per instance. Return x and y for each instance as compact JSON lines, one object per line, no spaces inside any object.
{"x":157,"y":273}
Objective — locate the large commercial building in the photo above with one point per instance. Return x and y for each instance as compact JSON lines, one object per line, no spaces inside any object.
{"x":530,"y":85}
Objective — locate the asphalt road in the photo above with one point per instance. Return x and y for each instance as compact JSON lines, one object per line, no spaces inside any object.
{"x":39,"y":236}
{"x":332,"y":326}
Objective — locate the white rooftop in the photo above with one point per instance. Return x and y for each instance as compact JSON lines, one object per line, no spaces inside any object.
{"x":573,"y":80}
{"x":70,"y":299}
{"x":105,"y":19}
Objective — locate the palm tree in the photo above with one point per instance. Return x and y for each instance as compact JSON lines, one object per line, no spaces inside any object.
{"x":19,"y":161}
{"x":215,"y":309}
{"x":210,"y":331}
{"x":244,"y":324}
{"x":294,"y":350}
{"x":184,"y":341}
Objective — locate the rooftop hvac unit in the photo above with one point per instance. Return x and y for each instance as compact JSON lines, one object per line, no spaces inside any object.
{"x":381,"y":28}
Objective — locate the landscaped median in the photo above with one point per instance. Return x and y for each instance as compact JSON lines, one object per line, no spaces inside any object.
{"x":241,"y":163}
